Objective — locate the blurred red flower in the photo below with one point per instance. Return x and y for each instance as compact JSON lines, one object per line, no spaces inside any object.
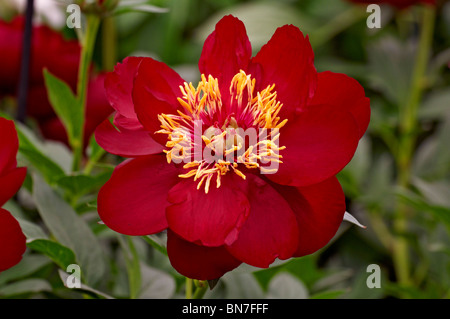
{"x":48,"y":50}
{"x":61,"y":57}
{"x":397,"y":3}
{"x":220,"y":213}
{"x":12,"y":239}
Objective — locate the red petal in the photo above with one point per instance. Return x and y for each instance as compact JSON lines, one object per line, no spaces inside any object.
{"x":211,"y":219}
{"x":127,"y":143}
{"x":270,"y":230}
{"x":127,"y":123}
{"x":344,"y":93}
{"x":287,"y":61}
{"x":9,"y":145}
{"x":155,"y":91}
{"x":319,"y":143}
{"x":319,"y":210}
{"x":12,"y":241}
{"x":10,"y":183}
{"x":119,"y":86}
{"x":226,"y":51}
{"x":133,"y":201}
{"x":198,"y":262}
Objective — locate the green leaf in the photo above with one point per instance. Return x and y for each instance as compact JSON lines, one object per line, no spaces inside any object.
{"x":440,"y":213}
{"x":25,"y":286}
{"x":156,"y":284}
{"x":390,"y":69}
{"x":31,"y":230}
{"x":140,"y":8}
{"x":66,"y":106}
{"x":70,"y":230}
{"x":435,"y":105}
{"x":378,"y":189}
{"x":83,"y":288}
{"x":60,"y":254}
{"x":432,"y":160}
{"x":35,"y":156}
{"x":328,"y":294}
{"x":286,"y":286}
{"x":437,"y":193}
{"x":239,"y":286}
{"x":27,"y":266}
{"x":79,"y":185}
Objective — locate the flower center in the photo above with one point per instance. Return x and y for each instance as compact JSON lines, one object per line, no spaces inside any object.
{"x":240,"y":134}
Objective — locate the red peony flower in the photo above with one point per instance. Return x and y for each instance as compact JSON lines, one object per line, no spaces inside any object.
{"x":250,"y":154}
{"x":12,"y":240}
{"x":401,"y":4}
{"x":61,"y":57}
{"x":48,"y":50}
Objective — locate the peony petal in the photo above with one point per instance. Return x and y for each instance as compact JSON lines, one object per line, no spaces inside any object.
{"x":125,"y":142}
{"x":211,"y":219}
{"x":10,"y":183}
{"x":287,"y":61}
{"x":133,"y":201}
{"x":199,"y":262}
{"x":226,"y":51}
{"x":319,"y":143}
{"x":319,"y":210}
{"x":127,"y":123}
{"x":119,"y":86}
{"x":12,"y":241}
{"x":155,"y":91}
{"x":270,"y":231}
{"x":344,"y":93}
{"x":9,"y":145}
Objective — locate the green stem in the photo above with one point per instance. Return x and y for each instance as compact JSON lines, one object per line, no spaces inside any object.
{"x":132,"y":265}
{"x":109,"y":39}
{"x":155,"y":245}
{"x":92,"y":161}
{"x":381,"y":230}
{"x":189,"y":285}
{"x":87,"y":50}
{"x":201,"y":288}
{"x":337,"y":25}
{"x":408,"y":137}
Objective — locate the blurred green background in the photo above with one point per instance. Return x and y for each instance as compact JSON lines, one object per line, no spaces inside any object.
{"x":415,"y":213}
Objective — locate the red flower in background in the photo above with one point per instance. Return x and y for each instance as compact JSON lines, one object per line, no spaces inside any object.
{"x":61,"y":57}
{"x":397,"y":3}
{"x":48,"y":50}
{"x":12,"y":240}
{"x":219,"y":214}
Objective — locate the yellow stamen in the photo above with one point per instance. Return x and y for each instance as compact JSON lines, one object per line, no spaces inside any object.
{"x":204,"y":103}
